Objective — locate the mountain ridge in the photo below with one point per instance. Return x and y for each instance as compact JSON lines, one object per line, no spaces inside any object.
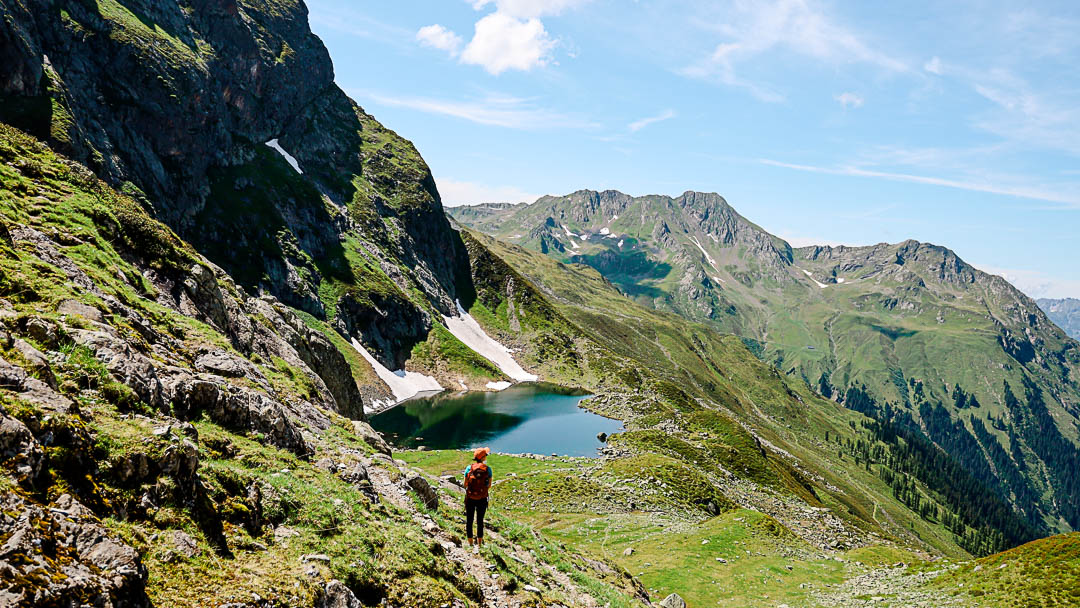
{"x":1065,"y":312}
{"x":896,"y":330}
{"x":189,"y":346}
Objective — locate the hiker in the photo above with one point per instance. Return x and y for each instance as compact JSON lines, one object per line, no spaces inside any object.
{"x":477,"y":483}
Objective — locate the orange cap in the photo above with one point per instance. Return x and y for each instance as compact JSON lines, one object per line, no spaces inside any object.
{"x":481,"y":453}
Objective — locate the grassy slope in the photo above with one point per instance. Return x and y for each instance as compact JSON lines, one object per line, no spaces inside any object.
{"x":379,"y":550}
{"x":1044,"y":573}
{"x":720,"y":372}
{"x":860,"y":330}
{"x":723,"y":372}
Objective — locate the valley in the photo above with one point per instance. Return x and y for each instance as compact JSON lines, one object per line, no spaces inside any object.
{"x":233,"y":309}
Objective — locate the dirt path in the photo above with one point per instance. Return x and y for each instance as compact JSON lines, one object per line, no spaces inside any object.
{"x":494,"y":596}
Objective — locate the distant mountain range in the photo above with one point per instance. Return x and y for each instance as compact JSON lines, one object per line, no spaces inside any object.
{"x":906,"y":332}
{"x":1064,"y":312}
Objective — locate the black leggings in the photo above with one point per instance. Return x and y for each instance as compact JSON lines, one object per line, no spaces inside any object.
{"x":479,"y":507}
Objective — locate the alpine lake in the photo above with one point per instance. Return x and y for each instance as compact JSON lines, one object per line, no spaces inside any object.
{"x":536,"y":418}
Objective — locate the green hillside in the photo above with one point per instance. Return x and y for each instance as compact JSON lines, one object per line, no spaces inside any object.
{"x":908,"y":334}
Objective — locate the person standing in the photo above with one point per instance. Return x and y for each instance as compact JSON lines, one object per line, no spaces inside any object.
{"x":477,"y":483}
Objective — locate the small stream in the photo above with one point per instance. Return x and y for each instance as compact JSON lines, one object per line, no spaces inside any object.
{"x":536,"y":418}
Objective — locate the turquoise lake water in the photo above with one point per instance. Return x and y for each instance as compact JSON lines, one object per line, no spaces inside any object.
{"x":536,"y":418}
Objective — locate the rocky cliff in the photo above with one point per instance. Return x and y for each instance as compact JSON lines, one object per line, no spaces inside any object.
{"x":222,"y":118}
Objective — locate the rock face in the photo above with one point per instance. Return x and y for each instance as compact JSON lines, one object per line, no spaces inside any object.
{"x":174,"y":103}
{"x":53,"y":554}
{"x":221,"y":72}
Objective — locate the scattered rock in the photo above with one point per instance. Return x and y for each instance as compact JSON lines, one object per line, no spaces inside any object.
{"x":283,"y":533}
{"x":602,"y":436}
{"x":673,"y":601}
{"x":19,"y":450}
{"x":423,"y":489}
{"x":628,"y":551}
{"x":222,"y":364}
{"x":315,"y":557}
{"x":65,"y":557}
{"x":42,"y":331}
{"x":337,"y":595}
{"x":77,"y":308}
{"x":38,"y":362}
{"x":371,"y":437}
{"x":185,"y":545}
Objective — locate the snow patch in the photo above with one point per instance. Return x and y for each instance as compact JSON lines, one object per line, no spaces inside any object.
{"x":841,"y":280}
{"x":620,"y":243}
{"x":811,"y":275}
{"x":719,"y":279}
{"x":517,"y":236}
{"x":605,"y":231}
{"x":465,"y":328}
{"x":568,"y":233}
{"x":708,"y":257}
{"x":585,"y":237}
{"x":273,"y":143}
{"x":403,"y":384}
{"x":613,"y":218}
{"x":499,"y":386}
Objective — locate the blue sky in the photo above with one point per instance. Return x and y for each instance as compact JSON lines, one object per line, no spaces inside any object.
{"x":824,"y":122}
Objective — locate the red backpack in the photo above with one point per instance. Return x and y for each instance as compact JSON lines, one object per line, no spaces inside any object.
{"x":477,"y":481}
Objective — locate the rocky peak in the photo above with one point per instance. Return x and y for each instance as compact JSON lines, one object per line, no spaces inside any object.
{"x":158,"y":93}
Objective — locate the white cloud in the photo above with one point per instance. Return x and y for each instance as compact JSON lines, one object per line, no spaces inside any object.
{"x":1065,"y":199}
{"x":455,"y":193}
{"x":503,"y":42}
{"x":934,"y":66}
{"x":509,"y":112}
{"x":1035,"y":283}
{"x":638,"y":125}
{"x":755,"y":27}
{"x":849,"y":100}
{"x":528,"y":9}
{"x":438,"y":37}
{"x":1030,"y":117}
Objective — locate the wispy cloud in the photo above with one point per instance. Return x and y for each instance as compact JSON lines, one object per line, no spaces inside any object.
{"x":455,"y":193}
{"x":496,"y":111}
{"x":1033,"y":118}
{"x":356,"y":23}
{"x":1064,"y":199}
{"x":638,"y":125}
{"x":1035,"y":283}
{"x":849,"y":100}
{"x":756,"y":27}
{"x":934,"y":66}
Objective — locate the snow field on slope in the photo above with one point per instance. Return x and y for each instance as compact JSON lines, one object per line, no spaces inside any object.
{"x":465,"y":328}
{"x":273,"y":143}
{"x":403,"y":384}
